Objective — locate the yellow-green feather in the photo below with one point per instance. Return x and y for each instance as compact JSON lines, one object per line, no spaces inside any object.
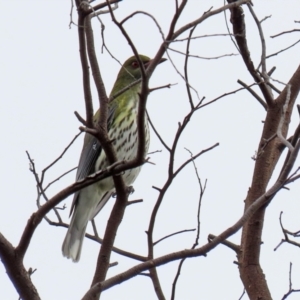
{"x":122,"y":130}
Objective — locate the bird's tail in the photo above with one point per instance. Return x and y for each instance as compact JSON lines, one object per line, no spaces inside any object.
{"x":72,"y":244}
{"x":83,"y":212}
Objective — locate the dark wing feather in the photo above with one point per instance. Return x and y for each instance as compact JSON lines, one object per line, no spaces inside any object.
{"x":90,"y":153}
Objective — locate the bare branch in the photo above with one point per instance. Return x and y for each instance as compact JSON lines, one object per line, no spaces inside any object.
{"x":239,"y":29}
{"x":244,"y":292}
{"x":286,"y":234}
{"x":224,"y":95}
{"x":263,"y":43}
{"x":284,"y":32}
{"x":280,"y":51}
{"x":226,"y":243}
{"x":262,"y":200}
{"x":172,"y":234}
{"x":85,"y":67}
{"x":181,"y":75}
{"x":162,"y":87}
{"x":147,"y":14}
{"x":202,"y":190}
{"x":100,"y":6}
{"x":188,"y":87}
{"x":282,"y":119}
{"x":16,"y":271}
{"x":265,"y":18}
{"x":258,"y":98}
{"x":193,"y":158}
{"x":203,"y":57}
{"x":206,"y":16}
{"x":201,"y":36}
{"x":157,"y":133}
{"x":58,"y":158}
{"x":59,"y":177}
{"x":291,"y":290}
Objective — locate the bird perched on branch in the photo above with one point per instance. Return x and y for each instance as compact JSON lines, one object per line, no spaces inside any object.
{"x":123,"y":132}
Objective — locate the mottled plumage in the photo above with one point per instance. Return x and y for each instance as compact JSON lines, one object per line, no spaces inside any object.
{"x":122,"y":130}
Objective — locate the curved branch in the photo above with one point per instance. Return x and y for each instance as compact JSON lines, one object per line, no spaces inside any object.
{"x":15,"y":270}
{"x":85,"y":67}
{"x":239,"y":30}
{"x":251,"y":273}
{"x":259,"y":202}
{"x":37,"y":217}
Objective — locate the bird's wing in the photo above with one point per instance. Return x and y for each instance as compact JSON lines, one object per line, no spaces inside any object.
{"x":88,"y":157}
{"x":90,"y":153}
{"x":101,"y":203}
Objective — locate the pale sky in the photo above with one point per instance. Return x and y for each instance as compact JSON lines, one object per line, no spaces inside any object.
{"x":41,"y":87}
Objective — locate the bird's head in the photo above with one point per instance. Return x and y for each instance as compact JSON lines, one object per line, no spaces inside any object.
{"x":131,"y":68}
{"x":131,"y":72}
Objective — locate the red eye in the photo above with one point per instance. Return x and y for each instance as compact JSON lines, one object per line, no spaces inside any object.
{"x":135,"y":64}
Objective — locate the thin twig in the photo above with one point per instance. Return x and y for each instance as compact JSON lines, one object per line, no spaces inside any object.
{"x":225,"y":95}
{"x":282,"y":120}
{"x":202,"y":36}
{"x":226,"y":243}
{"x":162,"y":87}
{"x":157,"y":133}
{"x":150,"y":16}
{"x":263,"y":49}
{"x":58,"y":178}
{"x":172,"y":234}
{"x":57,"y":159}
{"x":254,"y":94}
{"x":291,"y":290}
{"x":202,"y":57}
{"x":188,"y":89}
{"x":284,"y":32}
{"x":202,"y":190}
{"x":243,"y":293}
{"x":280,"y":51}
{"x":262,"y":200}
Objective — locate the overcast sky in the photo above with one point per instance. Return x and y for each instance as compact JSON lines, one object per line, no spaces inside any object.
{"x":41,"y":87}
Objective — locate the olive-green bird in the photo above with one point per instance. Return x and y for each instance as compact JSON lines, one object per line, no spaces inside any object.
{"x":122,"y":130}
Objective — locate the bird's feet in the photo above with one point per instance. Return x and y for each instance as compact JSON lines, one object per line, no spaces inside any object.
{"x":129,"y":190}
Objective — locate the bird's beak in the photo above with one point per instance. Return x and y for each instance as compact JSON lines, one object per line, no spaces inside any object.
{"x":149,"y":62}
{"x":162,"y":60}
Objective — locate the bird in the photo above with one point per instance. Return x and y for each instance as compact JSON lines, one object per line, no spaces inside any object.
{"x":122,"y":131}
